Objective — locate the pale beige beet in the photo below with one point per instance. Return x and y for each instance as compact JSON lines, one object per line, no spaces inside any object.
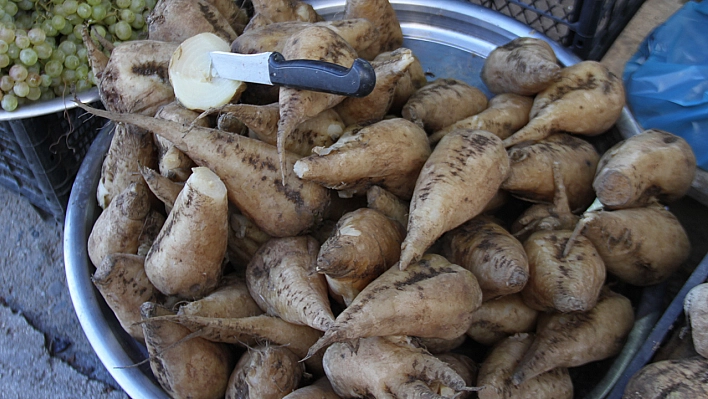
{"x":641,"y":246}
{"x":491,"y":253}
{"x":383,"y":16}
{"x":443,"y":102}
{"x":505,"y":114}
{"x":460,"y":177}
{"x":186,"y":257}
{"x":587,"y":100}
{"x":364,"y":244}
{"x":262,"y":121}
{"x":167,"y":20}
{"x":122,"y":282}
{"x":410,"y":302}
{"x":281,"y":278}
{"x":230,"y":300}
{"x":297,"y":106}
{"x":387,"y":203}
{"x":680,"y":378}
{"x":358,"y":32}
{"x":130,"y":148}
{"x":119,"y":227}
{"x":524,"y":66}
{"x":555,"y":216}
{"x":193,"y":368}
{"x":135,"y":78}
{"x":320,"y":389}
{"x":501,"y":318}
{"x":361,"y":158}
{"x":531,"y":177}
{"x":251,"y":330}
{"x":265,"y":372}
{"x":249,"y":169}
{"x":495,"y":374}
{"x":374,"y":106}
{"x":391,"y":368}
{"x":562,"y":277}
{"x":653,"y":165}
{"x":695,"y":306}
{"x":574,"y":339}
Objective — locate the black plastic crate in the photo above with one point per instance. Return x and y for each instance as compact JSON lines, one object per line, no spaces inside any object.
{"x":40,"y":155}
{"x":586,"y":27}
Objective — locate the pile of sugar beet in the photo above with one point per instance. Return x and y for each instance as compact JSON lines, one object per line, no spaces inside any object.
{"x":277,"y":242}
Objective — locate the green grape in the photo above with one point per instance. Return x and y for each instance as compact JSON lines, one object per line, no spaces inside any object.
{"x":25,"y":5}
{"x":34,"y":79}
{"x":10,"y":8}
{"x":46,"y":80}
{"x":1,"y":95}
{"x":4,"y":60}
{"x":68,"y":28}
{"x":112,"y":29}
{"x":44,"y":50}
{"x":22,"y":42}
{"x":122,"y":3}
{"x":127,"y":16}
{"x":84,"y":10}
{"x":71,"y":61}
{"x":83,"y":85}
{"x":3,"y":46}
{"x":82,"y":71}
{"x":28,"y":56}
{"x":49,"y":29}
{"x":58,"y":21}
{"x":150,"y":4}
{"x":74,"y":19}
{"x":99,"y":29}
{"x":70,"y":7}
{"x":9,"y":102}
{"x":21,"y":89}
{"x":47,"y":95}
{"x":93,"y":2}
{"x":23,"y":20}
{"x":18,"y":72}
{"x":53,"y":68}
{"x":36,"y":35}
{"x":58,"y":55}
{"x":6,"y":18}
{"x":59,"y":9}
{"x":123,"y":30}
{"x":82,"y":53}
{"x":68,"y":76}
{"x":7,"y":34}
{"x":6,"y":83}
{"x":139,"y":22}
{"x":2,"y":3}
{"x":99,"y":12}
{"x":52,"y":41}
{"x":34,"y":68}
{"x":13,"y":51}
{"x":110,"y":20}
{"x":34,"y":93}
{"x":68,"y":47}
{"x":137,"y":6}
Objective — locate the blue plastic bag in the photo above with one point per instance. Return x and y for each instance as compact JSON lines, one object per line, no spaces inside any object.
{"x":666,"y":81}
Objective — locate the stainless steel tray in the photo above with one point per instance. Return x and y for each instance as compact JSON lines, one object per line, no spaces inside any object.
{"x":51,"y":106}
{"x":451,"y":38}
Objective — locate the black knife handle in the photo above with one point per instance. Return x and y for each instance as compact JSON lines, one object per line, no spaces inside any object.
{"x":357,"y":81}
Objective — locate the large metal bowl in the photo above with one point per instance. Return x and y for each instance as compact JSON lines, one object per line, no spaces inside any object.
{"x":451,"y":38}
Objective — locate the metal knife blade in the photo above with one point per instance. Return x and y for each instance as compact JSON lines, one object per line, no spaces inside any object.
{"x":272,"y":68}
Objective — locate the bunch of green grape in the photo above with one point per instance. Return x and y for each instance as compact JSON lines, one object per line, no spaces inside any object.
{"x":42,"y":54}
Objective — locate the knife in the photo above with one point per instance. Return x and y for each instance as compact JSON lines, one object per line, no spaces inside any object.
{"x":271,"y":68}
